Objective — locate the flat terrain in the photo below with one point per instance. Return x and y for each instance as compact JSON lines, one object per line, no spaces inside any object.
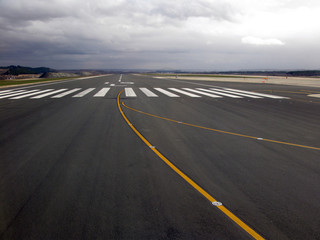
{"x":72,"y":167}
{"x":294,"y":81}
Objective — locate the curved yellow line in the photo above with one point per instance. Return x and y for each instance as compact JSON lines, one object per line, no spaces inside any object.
{"x":240,"y":223}
{"x":221,"y":131}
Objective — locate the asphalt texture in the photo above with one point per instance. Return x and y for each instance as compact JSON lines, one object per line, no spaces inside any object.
{"x":72,"y":168}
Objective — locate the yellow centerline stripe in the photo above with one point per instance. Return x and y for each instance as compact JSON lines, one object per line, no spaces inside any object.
{"x":240,"y":223}
{"x":221,"y":131}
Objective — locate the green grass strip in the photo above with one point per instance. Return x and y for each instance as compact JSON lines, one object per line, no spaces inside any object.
{"x":40,"y":80}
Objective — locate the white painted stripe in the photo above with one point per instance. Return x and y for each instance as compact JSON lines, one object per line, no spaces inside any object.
{"x":112,"y":85}
{"x":165,"y":92}
{"x":85,"y":92}
{"x":240,"y":94}
{"x":66,"y":93}
{"x":257,"y":94}
{"x":106,"y":83}
{"x":6,"y":93}
{"x":203,"y":93}
{"x":127,"y":82}
{"x":184,"y":92}
{"x":31,"y":94}
{"x":148,"y":92}
{"x":102,"y":92}
{"x":219,"y":93}
{"x":129,"y":92}
{"x":314,"y":95}
{"x":48,"y":94}
{"x":15,"y":94}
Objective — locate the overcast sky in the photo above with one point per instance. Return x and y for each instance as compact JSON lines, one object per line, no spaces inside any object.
{"x":161,"y":34}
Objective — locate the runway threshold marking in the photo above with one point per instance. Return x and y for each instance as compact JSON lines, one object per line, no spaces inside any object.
{"x":165,"y":92}
{"x":220,"y":93}
{"x":221,"y":131}
{"x":148,"y":93}
{"x":102,"y":92}
{"x":83,"y":93}
{"x":66,"y":93}
{"x":48,"y":94}
{"x":237,"y":93}
{"x":202,"y":93}
{"x":184,"y":92}
{"x":15,"y":93}
{"x":10,"y":92}
{"x":130,"y":92}
{"x":31,"y":94}
{"x":213,"y":201}
{"x":255,"y":94}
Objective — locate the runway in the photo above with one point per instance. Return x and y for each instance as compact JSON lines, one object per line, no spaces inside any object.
{"x":72,"y":167}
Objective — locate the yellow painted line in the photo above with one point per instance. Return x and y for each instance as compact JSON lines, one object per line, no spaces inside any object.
{"x":225,"y":132}
{"x":310,"y":91}
{"x":238,"y":221}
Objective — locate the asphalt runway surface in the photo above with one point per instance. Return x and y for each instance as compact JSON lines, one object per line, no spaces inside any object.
{"x":71,"y":167}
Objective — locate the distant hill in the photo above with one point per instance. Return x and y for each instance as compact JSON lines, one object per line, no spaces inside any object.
{"x":3,"y":70}
{"x":307,"y":73}
{"x":58,"y":75}
{"x":70,"y":73}
{"x":17,"y":70}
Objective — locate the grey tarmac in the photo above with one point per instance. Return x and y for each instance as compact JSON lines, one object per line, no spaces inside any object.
{"x":72,"y":168}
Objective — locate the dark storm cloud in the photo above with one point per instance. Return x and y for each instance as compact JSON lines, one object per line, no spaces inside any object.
{"x":21,"y":13}
{"x":201,"y":34}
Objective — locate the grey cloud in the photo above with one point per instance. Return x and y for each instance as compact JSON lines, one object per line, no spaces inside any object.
{"x":181,"y":10}
{"x":167,"y":11}
{"x":21,"y":11}
{"x":134,"y":33}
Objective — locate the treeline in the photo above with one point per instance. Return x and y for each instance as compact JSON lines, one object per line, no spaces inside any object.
{"x":17,"y":70}
{"x":304,"y":73}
